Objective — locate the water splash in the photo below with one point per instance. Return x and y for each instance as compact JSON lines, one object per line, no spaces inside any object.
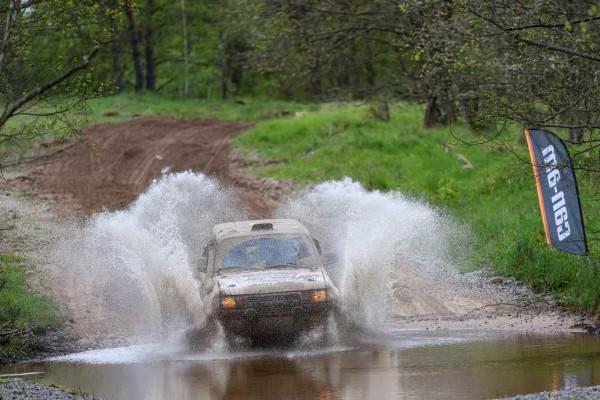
{"x":134,"y":271}
{"x":374,"y":235}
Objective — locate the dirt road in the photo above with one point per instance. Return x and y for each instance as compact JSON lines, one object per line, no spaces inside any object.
{"x":116,"y":161}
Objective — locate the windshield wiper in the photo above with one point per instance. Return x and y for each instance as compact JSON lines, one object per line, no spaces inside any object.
{"x":240,"y":267}
{"x":284,"y":265}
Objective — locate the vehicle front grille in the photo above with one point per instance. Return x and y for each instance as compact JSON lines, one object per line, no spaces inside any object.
{"x":274,"y":301}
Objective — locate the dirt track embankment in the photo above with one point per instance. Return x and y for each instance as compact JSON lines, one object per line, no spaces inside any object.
{"x":117,"y":161}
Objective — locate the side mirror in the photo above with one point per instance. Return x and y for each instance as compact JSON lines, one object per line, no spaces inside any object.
{"x":330,"y":258}
{"x":202,"y":264}
{"x":317,"y":245}
{"x":203,"y":261}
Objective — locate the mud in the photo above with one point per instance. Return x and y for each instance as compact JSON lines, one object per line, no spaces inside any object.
{"x":114,"y":162}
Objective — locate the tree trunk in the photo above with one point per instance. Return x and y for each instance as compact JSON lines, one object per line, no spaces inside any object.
{"x":117,"y":66}
{"x":223,"y":84}
{"x":369,"y":65}
{"x":224,"y":65}
{"x":314,"y":80}
{"x":433,"y":112}
{"x":115,"y":49}
{"x":135,"y":46}
{"x":186,"y":67}
{"x":577,"y":117}
{"x":150,"y":61}
{"x":576,"y":135}
{"x":236,"y":77}
{"x":11,"y":15}
{"x":149,"y":47}
{"x":469,"y":110}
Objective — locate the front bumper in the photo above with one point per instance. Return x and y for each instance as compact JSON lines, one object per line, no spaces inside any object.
{"x":263,"y":320}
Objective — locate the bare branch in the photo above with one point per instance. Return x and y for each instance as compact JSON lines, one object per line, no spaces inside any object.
{"x":546,"y":46}
{"x":7,"y":324}
{"x":13,"y":107}
{"x":30,"y":3}
{"x":559,"y":49}
{"x":559,"y":25}
{"x":16,"y":332}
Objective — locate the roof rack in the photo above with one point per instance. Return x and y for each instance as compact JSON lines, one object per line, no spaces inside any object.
{"x":262,"y":227}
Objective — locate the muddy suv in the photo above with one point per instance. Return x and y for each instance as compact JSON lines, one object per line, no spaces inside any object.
{"x":265,"y":278}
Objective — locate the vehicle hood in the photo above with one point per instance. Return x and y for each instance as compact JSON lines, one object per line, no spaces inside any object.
{"x":269,"y":281}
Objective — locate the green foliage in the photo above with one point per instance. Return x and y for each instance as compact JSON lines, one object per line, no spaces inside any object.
{"x":496,"y":197}
{"x":41,"y":83}
{"x":469,"y":60}
{"x":21,"y":310}
{"x":446,"y":191}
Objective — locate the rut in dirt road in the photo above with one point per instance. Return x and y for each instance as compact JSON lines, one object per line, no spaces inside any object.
{"x":121,"y":159}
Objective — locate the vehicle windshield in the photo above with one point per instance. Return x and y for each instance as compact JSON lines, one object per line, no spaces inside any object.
{"x":265,"y":252}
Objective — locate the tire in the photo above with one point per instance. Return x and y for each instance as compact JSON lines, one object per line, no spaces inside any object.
{"x":203,"y":337}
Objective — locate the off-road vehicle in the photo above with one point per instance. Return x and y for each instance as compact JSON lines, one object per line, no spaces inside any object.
{"x":265,"y":279}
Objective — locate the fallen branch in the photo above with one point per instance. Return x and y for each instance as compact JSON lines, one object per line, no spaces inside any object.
{"x":16,"y":332}
{"x":7,"y":324}
{"x":466,"y":163}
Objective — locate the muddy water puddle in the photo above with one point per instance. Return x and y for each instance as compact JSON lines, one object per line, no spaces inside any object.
{"x":404,"y":364}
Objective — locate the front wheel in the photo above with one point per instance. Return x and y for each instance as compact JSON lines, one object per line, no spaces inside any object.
{"x":233,"y":340}
{"x":205,"y":336}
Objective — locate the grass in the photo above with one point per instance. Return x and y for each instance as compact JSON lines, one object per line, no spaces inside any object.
{"x":128,"y":105}
{"x":27,"y":310}
{"x":496,"y":197}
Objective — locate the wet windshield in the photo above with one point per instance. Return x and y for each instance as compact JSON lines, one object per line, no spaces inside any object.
{"x":265,"y":252}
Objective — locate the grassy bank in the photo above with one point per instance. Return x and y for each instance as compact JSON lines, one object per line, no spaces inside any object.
{"x":128,"y":105}
{"x":486,"y":186}
{"x":22,"y":312}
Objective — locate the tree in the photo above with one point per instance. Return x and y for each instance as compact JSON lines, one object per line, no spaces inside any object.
{"x":542,"y":62}
{"x":39,"y":86}
{"x":150,"y":11}
{"x":116,"y":46}
{"x":134,"y":38}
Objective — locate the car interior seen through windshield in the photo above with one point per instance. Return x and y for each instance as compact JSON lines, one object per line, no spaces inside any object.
{"x":266,"y":252}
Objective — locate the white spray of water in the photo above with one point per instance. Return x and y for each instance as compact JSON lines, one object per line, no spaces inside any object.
{"x":376,"y":236}
{"x":133,"y":271}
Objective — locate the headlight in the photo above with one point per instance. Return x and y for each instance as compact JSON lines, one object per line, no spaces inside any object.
{"x":228,"y":302}
{"x":318,"y":296}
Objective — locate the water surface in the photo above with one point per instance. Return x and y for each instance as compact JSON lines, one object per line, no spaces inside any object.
{"x":406,"y":364}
